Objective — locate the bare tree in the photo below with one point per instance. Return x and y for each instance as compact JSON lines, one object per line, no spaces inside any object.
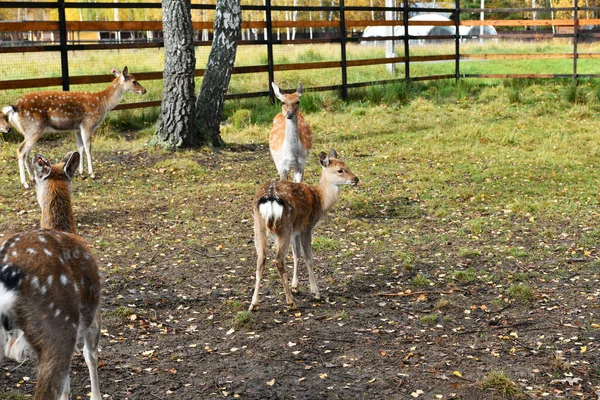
{"x":187,"y":121}
{"x":176,"y":127}
{"x":210,"y":102}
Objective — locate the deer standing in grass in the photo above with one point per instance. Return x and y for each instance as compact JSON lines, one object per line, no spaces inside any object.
{"x":50,"y":288}
{"x":82,"y":112}
{"x":290,"y":139}
{"x":290,"y":211}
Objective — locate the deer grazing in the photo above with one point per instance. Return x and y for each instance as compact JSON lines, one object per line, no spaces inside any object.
{"x":82,"y":112}
{"x":50,"y":288}
{"x":290,"y":211}
{"x":290,"y":139}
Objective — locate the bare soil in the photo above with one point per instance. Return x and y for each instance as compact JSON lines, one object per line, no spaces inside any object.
{"x":177,"y":257}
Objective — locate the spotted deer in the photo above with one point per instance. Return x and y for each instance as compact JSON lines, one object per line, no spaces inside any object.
{"x":290,"y":139}
{"x":50,"y":288}
{"x":4,"y":124}
{"x":290,"y":211}
{"x":82,"y":112}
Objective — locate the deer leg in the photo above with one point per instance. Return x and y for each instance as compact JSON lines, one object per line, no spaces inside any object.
{"x":80,"y":148}
{"x":296,"y":253}
{"x":86,"y":137}
{"x":283,"y":245}
{"x":23,"y":157}
{"x":298,"y":173}
{"x":53,"y":371}
{"x":260,"y":242}
{"x":91,"y":338}
{"x":308,"y":257}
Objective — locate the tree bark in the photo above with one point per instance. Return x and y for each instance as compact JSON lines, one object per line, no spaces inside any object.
{"x":176,"y":127}
{"x":210,"y":102}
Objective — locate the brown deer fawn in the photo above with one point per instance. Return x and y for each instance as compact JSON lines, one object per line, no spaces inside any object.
{"x":290,"y":139}
{"x":50,"y":288}
{"x":290,"y":211}
{"x":82,"y":112}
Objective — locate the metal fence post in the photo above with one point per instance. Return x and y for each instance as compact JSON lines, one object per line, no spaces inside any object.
{"x":64,"y":56}
{"x":343,"y":54}
{"x":457,"y":39}
{"x":575,"y":37}
{"x":270,"y":68}
{"x":406,"y":41}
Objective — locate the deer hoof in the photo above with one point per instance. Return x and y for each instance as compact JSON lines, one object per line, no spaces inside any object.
{"x":26,"y":185}
{"x":93,"y":176}
{"x":253,"y":307}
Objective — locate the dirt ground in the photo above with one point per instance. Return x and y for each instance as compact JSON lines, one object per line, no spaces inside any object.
{"x":177,"y":258}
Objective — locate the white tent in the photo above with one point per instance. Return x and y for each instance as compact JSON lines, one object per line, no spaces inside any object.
{"x":424,"y":30}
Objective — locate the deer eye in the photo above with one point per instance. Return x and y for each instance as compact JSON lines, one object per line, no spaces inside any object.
{"x":340,"y":171}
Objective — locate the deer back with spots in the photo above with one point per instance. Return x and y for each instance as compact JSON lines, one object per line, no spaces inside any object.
{"x":290,"y":211}
{"x":290,"y":139}
{"x":82,"y":112}
{"x":50,"y":288}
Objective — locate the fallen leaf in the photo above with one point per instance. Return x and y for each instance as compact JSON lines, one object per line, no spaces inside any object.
{"x":271,"y":382}
{"x":457,"y":374}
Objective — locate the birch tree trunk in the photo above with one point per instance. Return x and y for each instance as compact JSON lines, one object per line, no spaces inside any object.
{"x":209,"y":105}
{"x":176,"y":127}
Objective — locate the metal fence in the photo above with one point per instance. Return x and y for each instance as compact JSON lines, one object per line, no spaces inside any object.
{"x":73,"y":45}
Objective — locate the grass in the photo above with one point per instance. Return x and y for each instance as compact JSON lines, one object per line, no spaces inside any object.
{"x":521,"y":292}
{"x":500,"y":193}
{"x":500,"y":383}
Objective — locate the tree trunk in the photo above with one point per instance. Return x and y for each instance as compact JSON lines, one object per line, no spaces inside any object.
{"x":210,"y":102}
{"x":176,"y":127}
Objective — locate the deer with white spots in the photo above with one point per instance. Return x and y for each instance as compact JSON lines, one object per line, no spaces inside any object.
{"x":50,"y":288}
{"x":81,"y":112}
{"x":290,"y":211}
{"x":290,"y":139}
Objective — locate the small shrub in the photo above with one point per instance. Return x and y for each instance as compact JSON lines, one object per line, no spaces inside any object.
{"x":500,"y":383}
{"x":521,"y":292}
{"x":243,"y":318}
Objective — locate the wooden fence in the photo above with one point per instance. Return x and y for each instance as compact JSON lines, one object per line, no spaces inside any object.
{"x":341,"y":33}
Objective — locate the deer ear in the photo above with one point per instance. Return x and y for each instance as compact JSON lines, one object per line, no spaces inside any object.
{"x":9,"y":110}
{"x":71,"y":163}
{"x":276,"y":91}
{"x":333,"y":154}
{"x":125,"y":72}
{"x":300,"y":89}
{"x":324,"y":158}
{"x":115,"y":72}
{"x":41,"y":167}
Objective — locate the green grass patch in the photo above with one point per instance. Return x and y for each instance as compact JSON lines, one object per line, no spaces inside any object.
{"x":521,"y":292}
{"x":500,"y":383}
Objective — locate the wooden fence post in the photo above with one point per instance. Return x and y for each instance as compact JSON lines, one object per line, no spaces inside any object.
{"x":64,"y":55}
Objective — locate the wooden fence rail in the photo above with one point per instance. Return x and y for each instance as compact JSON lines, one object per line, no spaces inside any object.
{"x":340,"y":33}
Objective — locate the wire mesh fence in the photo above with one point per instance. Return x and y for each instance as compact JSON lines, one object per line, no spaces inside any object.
{"x":328,"y":45}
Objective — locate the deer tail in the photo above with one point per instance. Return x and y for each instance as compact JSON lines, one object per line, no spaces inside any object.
{"x":270,"y":206}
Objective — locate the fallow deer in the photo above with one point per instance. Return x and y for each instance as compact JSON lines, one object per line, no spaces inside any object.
{"x":50,"y":288}
{"x":4,"y":124}
{"x":290,"y":139}
{"x":82,"y":112}
{"x":290,"y":211}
